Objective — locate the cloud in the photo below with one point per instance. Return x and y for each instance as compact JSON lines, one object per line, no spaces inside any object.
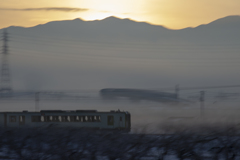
{"x":61,"y":9}
{"x":114,"y":12}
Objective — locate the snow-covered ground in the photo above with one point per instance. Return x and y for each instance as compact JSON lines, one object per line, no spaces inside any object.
{"x":51,"y":143}
{"x":160,"y":131}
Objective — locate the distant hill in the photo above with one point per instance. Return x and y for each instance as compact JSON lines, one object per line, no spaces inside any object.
{"x":222,"y":31}
{"x":114,"y":29}
{"x":122,"y":53}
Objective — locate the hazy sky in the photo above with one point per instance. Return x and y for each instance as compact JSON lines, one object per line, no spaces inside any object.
{"x":170,"y":13}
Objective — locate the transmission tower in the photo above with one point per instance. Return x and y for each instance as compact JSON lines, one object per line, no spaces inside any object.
{"x":5,"y":81}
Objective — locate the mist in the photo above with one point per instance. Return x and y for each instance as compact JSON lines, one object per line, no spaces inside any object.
{"x":114,"y":53}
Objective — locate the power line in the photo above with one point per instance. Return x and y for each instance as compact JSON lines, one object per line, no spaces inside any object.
{"x":113,"y":44}
{"x":136,"y":57}
{"x":47,"y":37}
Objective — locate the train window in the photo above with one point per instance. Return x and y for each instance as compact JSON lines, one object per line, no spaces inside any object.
{"x":47,"y":119}
{"x":60,"y":118}
{"x":65,"y":119}
{"x":68,"y":118}
{"x":85,"y":118}
{"x":94,"y":119}
{"x":13,"y":119}
{"x":77,"y":119}
{"x":55,"y":118}
{"x":90,"y":118}
{"x":21,"y":120}
{"x":81,"y":119}
{"x":50,"y":118}
{"x":72,"y":118}
{"x":99,"y":118}
{"x":36,"y":118}
{"x":42,"y":118}
{"x":120,"y":119}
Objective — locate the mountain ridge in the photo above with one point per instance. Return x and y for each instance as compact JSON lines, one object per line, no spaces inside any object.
{"x":100,"y":54}
{"x":111,"y":19}
{"x":110,"y":29}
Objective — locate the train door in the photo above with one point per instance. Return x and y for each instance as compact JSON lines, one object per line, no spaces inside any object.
{"x":12,"y":121}
{"x":21,"y":120}
{"x":121,"y":122}
{"x":128,"y":122}
{"x":110,"y":121}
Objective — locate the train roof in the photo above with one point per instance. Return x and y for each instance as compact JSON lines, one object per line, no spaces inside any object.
{"x":66,"y":111}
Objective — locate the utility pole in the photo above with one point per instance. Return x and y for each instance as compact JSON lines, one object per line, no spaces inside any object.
{"x":37,"y":99}
{"x":5,"y":81}
{"x":202,"y":99}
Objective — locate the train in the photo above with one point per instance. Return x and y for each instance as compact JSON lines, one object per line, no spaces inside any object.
{"x":85,"y":119}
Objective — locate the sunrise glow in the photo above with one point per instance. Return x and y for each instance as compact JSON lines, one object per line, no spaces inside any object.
{"x":169,"y":13}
